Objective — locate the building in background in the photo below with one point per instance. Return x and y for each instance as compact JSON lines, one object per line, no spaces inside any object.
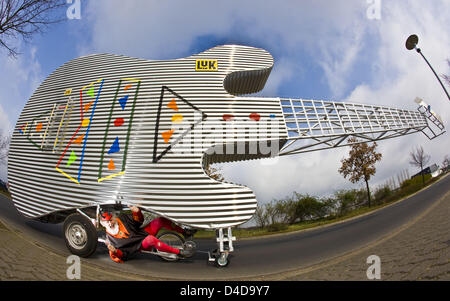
{"x":432,"y":170}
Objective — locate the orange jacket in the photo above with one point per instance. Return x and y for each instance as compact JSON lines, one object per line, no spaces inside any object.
{"x":129,"y":238}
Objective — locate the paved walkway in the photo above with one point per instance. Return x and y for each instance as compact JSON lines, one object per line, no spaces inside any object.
{"x":419,"y":250}
{"x":21,"y":259}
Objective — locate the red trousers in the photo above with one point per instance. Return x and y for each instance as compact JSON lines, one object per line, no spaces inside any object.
{"x":153,"y":228}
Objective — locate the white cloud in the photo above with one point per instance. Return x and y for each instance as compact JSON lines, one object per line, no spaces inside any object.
{"x":338,"y":60}
{"x":19,"y":78}
{"x":282,"y":71}
{"x":159,"y":25}
{"x":4,"y":122}
{"x":169,"y":29}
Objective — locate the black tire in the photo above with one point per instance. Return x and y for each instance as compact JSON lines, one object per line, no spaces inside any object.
{"x":80,"y":235}
{"x":172,"y":239}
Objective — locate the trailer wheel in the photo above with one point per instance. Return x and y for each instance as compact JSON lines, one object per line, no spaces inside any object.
{"x":222,"y":260}
{"x":80,"y":235}
{"x":172,"y":239}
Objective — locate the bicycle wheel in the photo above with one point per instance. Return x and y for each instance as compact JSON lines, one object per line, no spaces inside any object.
{"x":171,"y":239}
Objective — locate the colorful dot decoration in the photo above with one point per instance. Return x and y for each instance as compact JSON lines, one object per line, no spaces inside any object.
{"x":176,"y":119}
{"x":255,"y":116}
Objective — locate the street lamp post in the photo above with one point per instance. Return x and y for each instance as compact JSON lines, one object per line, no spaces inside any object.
{"x":411,"y":43}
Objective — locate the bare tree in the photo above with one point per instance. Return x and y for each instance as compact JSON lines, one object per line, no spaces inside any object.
{"x":261,"y":217}
{"x":446,"y":162}
{"x":4,"y":147}
{"x":23,"y":18}
{"x":361,"y":163}
{"x":419,"y":159}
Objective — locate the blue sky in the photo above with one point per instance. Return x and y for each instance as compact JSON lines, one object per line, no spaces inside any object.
{"x":325,"y":50}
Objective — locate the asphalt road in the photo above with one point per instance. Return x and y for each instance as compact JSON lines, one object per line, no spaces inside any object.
{"x":252,"y":258}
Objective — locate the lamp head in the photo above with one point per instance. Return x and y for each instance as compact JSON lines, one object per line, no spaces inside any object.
{"x":412,"y":42}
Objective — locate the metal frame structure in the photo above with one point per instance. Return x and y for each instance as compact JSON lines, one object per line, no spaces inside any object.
{"x":317,"y":125}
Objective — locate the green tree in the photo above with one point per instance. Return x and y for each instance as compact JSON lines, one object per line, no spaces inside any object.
{"x":273,"y":212}
{"x":360,"y":165}
{"x":300,"y":207}
{"x":261,"y":217}
{"x":347,"y":200}
{"x":285,"y":210}
{"x":382,"y":194}
{"x":308,"y":207}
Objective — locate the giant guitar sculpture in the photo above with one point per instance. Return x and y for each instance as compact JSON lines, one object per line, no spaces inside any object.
{"x":106,"y":129}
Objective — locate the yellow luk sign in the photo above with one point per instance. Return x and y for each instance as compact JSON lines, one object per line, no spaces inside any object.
{"x":206,"y":65}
